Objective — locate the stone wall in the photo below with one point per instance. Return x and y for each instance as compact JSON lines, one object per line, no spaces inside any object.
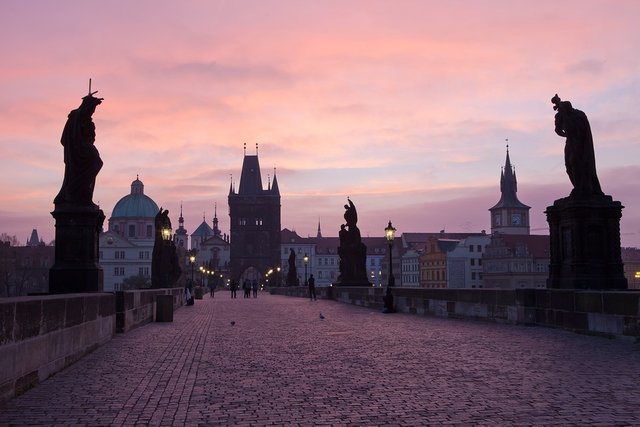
{"x":606,"y":313}
{"x":136,"y":308}
{"x":41,"y":335}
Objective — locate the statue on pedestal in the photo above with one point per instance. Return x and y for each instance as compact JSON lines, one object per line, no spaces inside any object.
{"x":352,"y":252}
{"x":584,"y":228}
{"x":292,"y":274}
{"x":165,"y":267}
{"x":78,"y":220}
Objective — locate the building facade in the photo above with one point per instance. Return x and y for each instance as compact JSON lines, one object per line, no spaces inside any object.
{"x":125,"y":249}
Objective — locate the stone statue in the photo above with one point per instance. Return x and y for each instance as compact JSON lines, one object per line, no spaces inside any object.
{"x":81,"y":158}
{"x":352,"y":252}
{"x":165,"y":266}
{"x":579,"y":156}
{"x":292,"y":274}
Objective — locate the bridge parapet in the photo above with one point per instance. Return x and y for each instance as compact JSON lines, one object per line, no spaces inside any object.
{"x":607,"y":313}
{"x":41,"y":335}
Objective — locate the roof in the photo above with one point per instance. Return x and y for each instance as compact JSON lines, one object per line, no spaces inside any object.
{"x":203,"y":230}
{"x":537,"y":245}
{"x":136,"y":204}
{"x":508,"y":188}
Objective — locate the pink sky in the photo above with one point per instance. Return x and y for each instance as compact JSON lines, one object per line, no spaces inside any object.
{"x":403,"y":106}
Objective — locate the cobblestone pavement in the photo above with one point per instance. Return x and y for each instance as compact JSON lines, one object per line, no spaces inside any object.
{"x":281,"y":364}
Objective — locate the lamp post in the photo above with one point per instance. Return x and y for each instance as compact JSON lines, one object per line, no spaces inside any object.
{"x":388,"y":298}
{"x":278,"y":276}
{"x":306,"y":261}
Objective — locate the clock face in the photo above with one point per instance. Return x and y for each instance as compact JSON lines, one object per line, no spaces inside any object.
{"x":516,"y":219}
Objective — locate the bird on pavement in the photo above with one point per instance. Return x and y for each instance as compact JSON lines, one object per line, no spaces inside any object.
{"x":233,"y":322}
{"x":321,"y":316}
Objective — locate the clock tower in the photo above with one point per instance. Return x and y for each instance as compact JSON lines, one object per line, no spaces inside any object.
{"x":509,"y":215}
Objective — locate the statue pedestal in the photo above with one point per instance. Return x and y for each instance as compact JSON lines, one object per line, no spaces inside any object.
{"x":76,"y":267}
{"x":585,"y":243}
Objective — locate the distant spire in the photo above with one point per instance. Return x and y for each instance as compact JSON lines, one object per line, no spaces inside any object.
{"x":181,"y":219}
{"x":216,"y":230}
{"x":245,"y":148}
{"x":319,"y":235}
{"x":268,"y":182}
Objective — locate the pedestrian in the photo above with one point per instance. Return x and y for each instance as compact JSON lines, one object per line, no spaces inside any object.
{"x":254,"y":286}
{"x":188,"y":292}
{"x":312,"y":288}
{"x":212,"y":289}
{"x":246,"y":287}
{"x":233,"y":287}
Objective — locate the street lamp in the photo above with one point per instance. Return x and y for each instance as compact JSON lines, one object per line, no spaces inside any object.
{"x":166,"y":233}
{"x":201,"y":274}
{"x":388,"y":298}
{"x":305,"y":258}
{"x":278,"y":276}
{"x":192,"y":261}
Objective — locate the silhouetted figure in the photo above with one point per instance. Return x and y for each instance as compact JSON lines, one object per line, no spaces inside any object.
{"x":292,"y":274}
{"x":312,"y":287}
{"x":165,"y":268}
{"x":188,"y":292}
{"x":212,"y":288}
{"x":233,"y":287}
{"x":579,"y":156}
{"x":254,"y":288}
{"x":246,"y":287}
{"x":81,"y":158}
{"x":352,"y":252}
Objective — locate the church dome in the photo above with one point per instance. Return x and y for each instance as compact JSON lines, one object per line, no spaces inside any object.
{"x":136,"y":204}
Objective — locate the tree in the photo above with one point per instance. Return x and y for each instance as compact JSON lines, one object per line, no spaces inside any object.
{"x":13,"y":240}
{"x":136,"y":282}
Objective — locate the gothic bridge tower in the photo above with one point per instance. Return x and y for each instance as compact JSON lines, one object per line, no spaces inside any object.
{"x":255,"y":223}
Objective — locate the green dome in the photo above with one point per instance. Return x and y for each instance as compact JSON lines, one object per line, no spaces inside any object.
{"x":136,"y":204}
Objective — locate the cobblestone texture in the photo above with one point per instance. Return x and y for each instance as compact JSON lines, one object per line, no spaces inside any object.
{"x":280,"y":364}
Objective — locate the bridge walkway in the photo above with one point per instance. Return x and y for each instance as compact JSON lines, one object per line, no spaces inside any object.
{"x":273,"y":361}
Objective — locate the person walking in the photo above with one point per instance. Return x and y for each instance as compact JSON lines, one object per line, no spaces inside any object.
{"x":312,"y":288}
{"x":212,"y":289}
{"x":254,"y":286}
{"x":233,"y":287}
{"x":246,"y":287}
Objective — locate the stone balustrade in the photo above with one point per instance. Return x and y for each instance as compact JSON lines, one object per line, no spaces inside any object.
{"x":606,"y":313}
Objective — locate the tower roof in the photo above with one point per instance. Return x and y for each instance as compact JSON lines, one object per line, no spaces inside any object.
{"x":250,"y":180}
{"x":508,"y":187}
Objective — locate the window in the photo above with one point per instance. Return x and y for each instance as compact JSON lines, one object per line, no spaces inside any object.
{"x":140,"y":255}
{"x":119,"y":254}
{"x":473,"y":261}
{"x":132,"y":230}
{"x":149,"y":231}
{"x":470,"y":248}
{"x":479,"y":248}
{"x":473,"y":276}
